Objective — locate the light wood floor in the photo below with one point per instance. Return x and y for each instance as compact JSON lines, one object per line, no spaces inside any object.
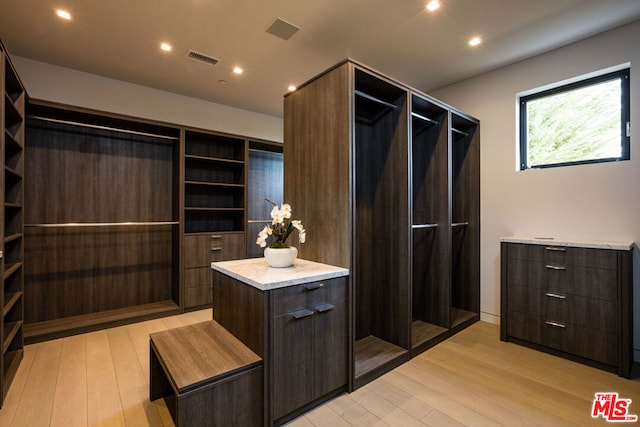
{"x":473,"y":379}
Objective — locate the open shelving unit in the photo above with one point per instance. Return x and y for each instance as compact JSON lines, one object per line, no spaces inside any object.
{"x":403,"y":174}
{"x":430,"y":237}
{"x":214,"y":183}
{"x":12,"y":124}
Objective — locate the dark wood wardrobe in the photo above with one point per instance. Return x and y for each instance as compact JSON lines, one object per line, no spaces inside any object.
{"x":386,"y":180}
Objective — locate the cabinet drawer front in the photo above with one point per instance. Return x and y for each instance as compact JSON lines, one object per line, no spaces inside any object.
{"x":199,"y":276}
{"x":198,"y":295}
{"x":308,"y":295}
{"x":588,"y":343}
{"x":583,"y":257}
{"x":203,"y":249}
{"x":581,"y":311}
{"x":582,"y":281}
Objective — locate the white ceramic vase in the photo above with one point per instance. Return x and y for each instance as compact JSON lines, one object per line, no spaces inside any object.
{"x":280,"y":257}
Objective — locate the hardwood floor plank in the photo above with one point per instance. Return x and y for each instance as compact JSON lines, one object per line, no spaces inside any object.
{"x":70,"y":399}
{"x":354,"y":413}
{"x":133,"y":385}
{"x":12,"y":400}
{"x":36,"y":403}
{"x":104,"y":407}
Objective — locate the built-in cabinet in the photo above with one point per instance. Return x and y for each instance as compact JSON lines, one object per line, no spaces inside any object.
{"x":309,"y":343}
{"x":297,"y":320}
{"x":394,"y":176}
{"x":573,"y":299}
{"x":12,"y":126}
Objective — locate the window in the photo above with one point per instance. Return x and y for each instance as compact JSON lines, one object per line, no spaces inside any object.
{"x":581,"y":122}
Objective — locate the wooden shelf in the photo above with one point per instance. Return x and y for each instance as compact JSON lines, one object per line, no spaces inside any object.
{"x":187,"y":208}
{"x":12,"y":172}
{"x":51,"y":329}
{"x":214,"y":184}
{"x":12,"y":237}
{"x":372,"y":353}
{"x":10,"y":300}
{"x":459,"y":316}
{"x":11,"y":329}
{"x":422,"y":332}
{"x":213,"y":159}
{"x":9,"y":269}
{"x":12,"y":140}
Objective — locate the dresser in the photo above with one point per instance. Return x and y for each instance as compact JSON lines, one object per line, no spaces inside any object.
{"x":570,"y":298}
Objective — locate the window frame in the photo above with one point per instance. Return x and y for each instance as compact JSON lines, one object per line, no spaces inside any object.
{"x":625,"y":103}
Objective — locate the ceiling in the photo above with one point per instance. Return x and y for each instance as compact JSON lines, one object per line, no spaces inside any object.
{"x":120,"y":39}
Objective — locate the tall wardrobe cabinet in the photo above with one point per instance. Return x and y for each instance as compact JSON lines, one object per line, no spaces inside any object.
{"x":11,"y":152}
{"x":386,"y":180}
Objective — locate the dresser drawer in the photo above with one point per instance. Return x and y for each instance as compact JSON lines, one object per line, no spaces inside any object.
{"x":203,"y":249}
{"x":308,"y":295}
{"x":198,"y":276}
{"x":591,"y":344}
{"x":589,"y":313}
{"x":583,"y":281}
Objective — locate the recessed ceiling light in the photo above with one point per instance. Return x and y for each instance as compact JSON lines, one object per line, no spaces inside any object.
{"x":63,"y":14}
{"x":237,"y":70}
{"x":166,"y":47}
{"x":291,"y":88}
{"x":433,"y":5}
{"x":475,"y":41}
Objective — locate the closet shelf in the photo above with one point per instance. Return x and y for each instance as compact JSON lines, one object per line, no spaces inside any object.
{"x":10,"y":331}
{"x":101,"y":224}
{"x":9,"y":269}
{"x":12,"y":237}
{"x":214,"y":184}
{"x":10,"y":300}
{"x":12,"y":205}
{"x":9,"y":137}
{"x":202,"y":209}
{"x":213,"y":159}
{"x":12,"y":172}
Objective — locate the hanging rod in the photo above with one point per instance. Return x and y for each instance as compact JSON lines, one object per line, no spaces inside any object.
{"x":110,"y":128}
{"x":374,"y":99}
{"x":417,"y":226}
{"x":101,"y":224}
{"x":424,"y":118}
{"x":460,"y":224}
{"x":259,"y":221}
{"x":459,"y":132}
{"x":259,"y":150}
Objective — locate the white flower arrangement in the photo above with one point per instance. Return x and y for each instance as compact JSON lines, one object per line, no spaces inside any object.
{"x":281,"y":227}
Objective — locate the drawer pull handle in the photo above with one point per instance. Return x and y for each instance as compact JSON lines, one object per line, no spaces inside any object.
{"x":556,"y":324}
{"x":556,"y":249}
{"x":555,"y":267}
{"x":324,"y":308}
{"x":216,"y":236}
{"x":301,"y":314}
{"x":313,"y":286}
{"x":552,"y":295}
{"x":216,"y":249}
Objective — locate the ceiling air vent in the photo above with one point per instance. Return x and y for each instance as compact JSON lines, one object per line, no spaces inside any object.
{"x":283,"y":29}
{"x":202,"y":57}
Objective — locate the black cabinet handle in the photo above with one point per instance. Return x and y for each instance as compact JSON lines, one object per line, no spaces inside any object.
{"x":323,"y":308}
{"x":301,"y":314}
{"x":313,"y":286}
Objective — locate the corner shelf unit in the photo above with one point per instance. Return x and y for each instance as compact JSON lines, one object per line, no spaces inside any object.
{"x":401,"y":170}
{"x":12,"y":124}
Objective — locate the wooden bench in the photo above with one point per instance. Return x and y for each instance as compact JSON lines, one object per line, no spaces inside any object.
{"x":206,"y":376}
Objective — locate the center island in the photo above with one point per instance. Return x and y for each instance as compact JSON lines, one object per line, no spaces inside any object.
{"x":296,"y":320}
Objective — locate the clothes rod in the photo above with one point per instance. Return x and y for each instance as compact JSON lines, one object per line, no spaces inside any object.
{"x":259,"y":221}
{"x":460,"y":224}
{"x":459,"y":132}
{"x":101,"y":224}
{"x":424,"y":118}
{"x":374,"y":99}
{"x":259,"y":150}
{"x":109,"y":128}
{"x":418,"y":226}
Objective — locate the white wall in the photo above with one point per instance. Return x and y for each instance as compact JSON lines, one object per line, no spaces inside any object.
{"x":600,"y":201}
{"x":53,"y":83}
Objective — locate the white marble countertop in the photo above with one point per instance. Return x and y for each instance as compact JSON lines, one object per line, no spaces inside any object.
{"x":580,"y":243}
{"x":257,"y":273}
